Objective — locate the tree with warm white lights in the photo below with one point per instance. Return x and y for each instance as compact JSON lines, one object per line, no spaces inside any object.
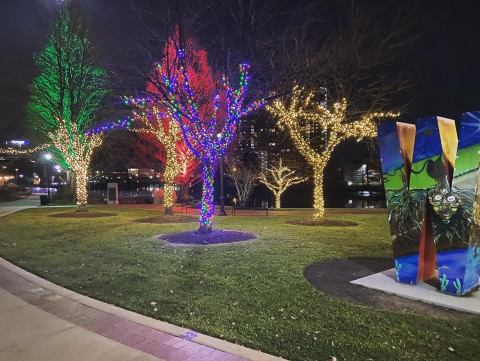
{"x":207,"y":114}
{"x":278,"y":178}
{"x":300,"y":110}
{"x":67,"y":95}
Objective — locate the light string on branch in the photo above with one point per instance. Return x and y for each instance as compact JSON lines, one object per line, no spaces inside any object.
{"x":105,"y":127}
{"x":22,"y":151}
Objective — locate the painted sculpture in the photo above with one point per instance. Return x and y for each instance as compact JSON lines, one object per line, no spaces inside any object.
{"x":432,"y":186}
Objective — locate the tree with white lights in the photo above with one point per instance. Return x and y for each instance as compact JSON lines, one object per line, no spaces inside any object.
{"x":301,"y":112}
{"x":278,"y":178}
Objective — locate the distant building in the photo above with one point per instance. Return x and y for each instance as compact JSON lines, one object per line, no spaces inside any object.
{"x":18,"y":143}
{"x":143,"y":173}
{"x":260,"y":138}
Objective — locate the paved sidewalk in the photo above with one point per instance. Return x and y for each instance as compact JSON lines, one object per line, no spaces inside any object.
{"x":43,"y":321}
{"x":28,"y":333}
{"x":7,"y":208}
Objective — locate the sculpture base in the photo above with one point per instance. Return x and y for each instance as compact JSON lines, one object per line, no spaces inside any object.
{"x":385,"y":281}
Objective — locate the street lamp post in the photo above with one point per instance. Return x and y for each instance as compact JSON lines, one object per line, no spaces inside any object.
{"x":16,"y":176}
{"x":48,"y":157}
{"x":222,"y":198}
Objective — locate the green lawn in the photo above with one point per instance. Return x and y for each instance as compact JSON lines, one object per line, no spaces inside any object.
{"x":252,"y":293}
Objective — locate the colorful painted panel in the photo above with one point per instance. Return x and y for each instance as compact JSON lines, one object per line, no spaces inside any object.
{"x":431,"y":182}
{"x":456,"y":232}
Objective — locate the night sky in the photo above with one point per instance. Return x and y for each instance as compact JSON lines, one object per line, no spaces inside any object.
{"x":447,"y":56}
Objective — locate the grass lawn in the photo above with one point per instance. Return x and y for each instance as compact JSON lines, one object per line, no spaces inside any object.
{"x":252,"y":293}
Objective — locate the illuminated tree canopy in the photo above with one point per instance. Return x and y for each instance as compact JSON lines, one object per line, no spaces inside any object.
{"x":206,"y":111}
{"x":302,"y":109}
{"x":67,"y":95}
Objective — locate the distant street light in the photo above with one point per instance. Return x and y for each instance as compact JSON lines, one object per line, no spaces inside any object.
{"x":48,"y":157}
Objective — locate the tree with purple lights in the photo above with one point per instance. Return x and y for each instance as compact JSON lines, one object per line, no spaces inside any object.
{"x":207,"y":118}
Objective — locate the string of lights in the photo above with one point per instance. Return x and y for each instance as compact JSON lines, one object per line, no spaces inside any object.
{"x":22,"y":151}
{"x":302,"y":108}
{"x":104,"y":127}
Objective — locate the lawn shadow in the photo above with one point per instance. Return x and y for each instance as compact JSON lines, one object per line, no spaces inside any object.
{"x":159,"y":219}
{"x":333,"y":278}
{"x":81,"y":215}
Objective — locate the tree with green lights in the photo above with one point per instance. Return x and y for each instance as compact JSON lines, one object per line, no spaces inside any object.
{"x":67,"y":96}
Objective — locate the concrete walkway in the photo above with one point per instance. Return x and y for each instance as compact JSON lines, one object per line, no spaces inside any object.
{"x":42,"y":321}
{"x":29,"y":333}
{"x":7,"y":208}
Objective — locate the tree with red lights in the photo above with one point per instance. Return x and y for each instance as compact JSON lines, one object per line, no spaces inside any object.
{"x":151,"y":117}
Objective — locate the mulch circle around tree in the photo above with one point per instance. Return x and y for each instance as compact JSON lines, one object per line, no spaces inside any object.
{"x":216,"y":236}
{"x":82,"y":215}
{"x":176,"y":218}
{"x":333,"y":278}
{"x":323,"y":223}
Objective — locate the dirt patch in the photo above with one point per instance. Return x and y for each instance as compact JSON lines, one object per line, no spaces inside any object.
{"x":82,"y":215}
{"x":214,"y":237}
{"x":324,"y":223}
{"x":176,"y":218}
{"x":333,"y":278}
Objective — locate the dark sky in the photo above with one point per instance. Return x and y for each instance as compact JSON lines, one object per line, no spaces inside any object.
{"x":448,"y":55}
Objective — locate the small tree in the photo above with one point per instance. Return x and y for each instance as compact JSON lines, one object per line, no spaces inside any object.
{"x":244,"y":178}
{"x":67,"y":95}
{"x":279,"y":178}
{"x":301,"y":109}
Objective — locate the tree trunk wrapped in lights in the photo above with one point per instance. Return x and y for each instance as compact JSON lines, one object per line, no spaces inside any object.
{"x":301,"y":109}
{"x":67,"y":95}
{"x":76,"y":151}
{"x":168,"y":135}
{"x":206,"y":113}
{"x":279,"y":178}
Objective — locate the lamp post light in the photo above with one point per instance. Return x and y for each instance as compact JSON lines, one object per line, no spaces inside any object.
{"x":222,"y":198}
{"x":16,"y":176}
{"x":48,"y":157}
